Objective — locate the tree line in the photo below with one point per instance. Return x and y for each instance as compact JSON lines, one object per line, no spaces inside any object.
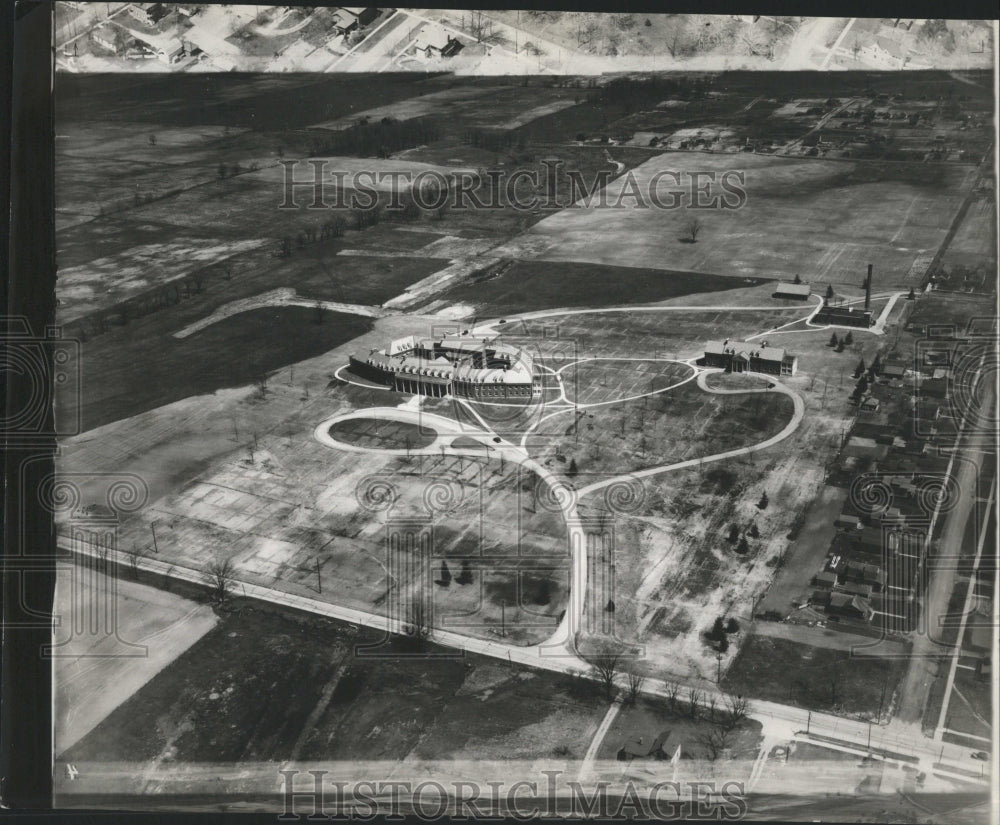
{"x":378,"y":138}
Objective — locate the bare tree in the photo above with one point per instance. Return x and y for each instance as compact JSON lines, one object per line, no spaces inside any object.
{"x":220,"y":578}
{"x":635,"y":682}
{"x":693,"y":228}
{"x":735,"y":712}
{"x":694,"y":701}
{"x":604,"y":665}
{"x":714,"y":741}
{"x":673,"y":691}
{"x":133,"y":557}
{"x":710,"y":706}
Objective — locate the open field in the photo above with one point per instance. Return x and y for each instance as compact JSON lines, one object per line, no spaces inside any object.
{"x":96,"y":672}
{"x":468,"y":102}
{"x":532,"y":285}
{"x":853,"y":212}
{"x":157,"y":369}
{"x":310,"y":695}
{"x":815,"y":678}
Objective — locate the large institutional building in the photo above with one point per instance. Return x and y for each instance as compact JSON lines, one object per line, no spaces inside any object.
{"x":744,"y":356}
{"x":463,"y":365}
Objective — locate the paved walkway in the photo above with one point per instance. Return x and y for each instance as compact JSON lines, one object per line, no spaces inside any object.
{"x":282,"y":297}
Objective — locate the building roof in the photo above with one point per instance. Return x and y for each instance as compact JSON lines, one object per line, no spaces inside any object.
{"x":433,"y":38}
{"x":794,"y":289}
{"x":745,"y":349}
{"x":846,"y":601}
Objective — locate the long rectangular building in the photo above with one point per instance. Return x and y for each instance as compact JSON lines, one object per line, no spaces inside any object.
{"x":745,"y":356}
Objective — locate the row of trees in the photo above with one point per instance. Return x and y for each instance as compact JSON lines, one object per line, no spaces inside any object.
{"x":334,"y":227}
{"x":377,"y":138}
{"x":147,"y":303}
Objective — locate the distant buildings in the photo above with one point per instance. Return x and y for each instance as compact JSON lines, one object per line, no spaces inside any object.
{"x":149,"y":14}
{"x":743,"y":356}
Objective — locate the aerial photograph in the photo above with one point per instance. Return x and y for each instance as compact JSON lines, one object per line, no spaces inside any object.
{"x":657,"y":352}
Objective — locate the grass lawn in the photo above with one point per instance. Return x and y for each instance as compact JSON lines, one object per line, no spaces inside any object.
{"x":811,"y":677}
{"x":386,"y":435}
{"x":537,"y":285}
{"x":132,"y":369}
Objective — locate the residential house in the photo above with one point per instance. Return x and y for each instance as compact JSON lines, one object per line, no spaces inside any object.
{"x":851,"y":607}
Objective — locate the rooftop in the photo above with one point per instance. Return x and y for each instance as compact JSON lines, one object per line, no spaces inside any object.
{"x":748,"y":350}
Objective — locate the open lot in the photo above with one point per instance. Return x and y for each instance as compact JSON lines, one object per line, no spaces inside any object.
{"x":95,"y":672}
{"x":532,"y":285}
{"x":857,"y":214}
{"x":312,"y":695}
{"x":815,"y":678}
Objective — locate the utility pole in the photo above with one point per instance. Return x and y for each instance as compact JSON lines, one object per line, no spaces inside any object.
{"x":503,"y":617}
{"x":718,"y":668}
{"x":319,"y":579}
{"x":809,"y":717}
{"x":152,"y":529}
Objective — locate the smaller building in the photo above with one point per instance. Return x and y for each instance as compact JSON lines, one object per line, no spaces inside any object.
{"x":825,"y":579}
{"x":106,"y":37}
{"x":743,"y":356}
{"x":171,"y":52}
{"x":848,"y":522}
{"x":791,"y":291}
{"x":844,"y":316}
{"x":870,"y":404}
{"x":434,"y":42}
{"x":850,"y":607}
{"x":343,"y":21}
{"x":869,"y":575}
{"x":893,"y":369}
{"x":149,"y":14}
{"x":363,"y":16}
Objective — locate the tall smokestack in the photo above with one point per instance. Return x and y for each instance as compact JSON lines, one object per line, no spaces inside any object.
{"x":868,"y":288}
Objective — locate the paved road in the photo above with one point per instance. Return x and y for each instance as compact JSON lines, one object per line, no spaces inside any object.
{"x":926,"y":647}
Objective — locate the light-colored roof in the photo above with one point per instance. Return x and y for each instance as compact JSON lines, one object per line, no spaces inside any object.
{"x":794,"y":289}
{"x":746,"y":349}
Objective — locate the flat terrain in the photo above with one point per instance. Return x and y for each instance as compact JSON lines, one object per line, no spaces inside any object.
{"x":162,"y":227}
{"x":815,"y":678}
{"x":95,"y":672}
{"x":857,"y":214}
{"x":310,"y":695}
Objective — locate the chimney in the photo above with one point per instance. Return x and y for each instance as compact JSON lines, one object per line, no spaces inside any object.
{"x":868,"y":289}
